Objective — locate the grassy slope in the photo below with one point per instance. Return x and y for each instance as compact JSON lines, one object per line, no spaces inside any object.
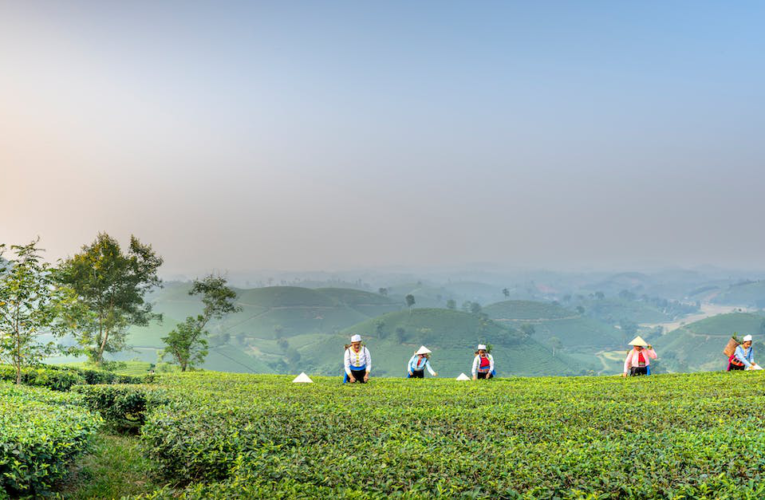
{"x":300,"y":313}
{"x":749,"y":294}
{"x":527,"y":310}
{"x":698,"y":346}
{"x":575,"y":332}
{"x":451,"y":335}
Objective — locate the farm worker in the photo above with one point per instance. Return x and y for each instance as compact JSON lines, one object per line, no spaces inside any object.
{"x":358,"y":362}
{"x":638,"y":360}
{"x":483,"y":364}
{"x":743,"y":357}
{"x":419,"y":362}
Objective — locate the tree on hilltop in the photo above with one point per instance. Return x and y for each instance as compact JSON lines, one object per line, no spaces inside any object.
{"x":187,"y":343}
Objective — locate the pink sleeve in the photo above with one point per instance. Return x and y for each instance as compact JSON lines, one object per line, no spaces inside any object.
{"x":628,"y":362}
{"x":651,"y":353}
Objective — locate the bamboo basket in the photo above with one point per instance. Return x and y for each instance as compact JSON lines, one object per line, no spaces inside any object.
{"x":731,"y":347}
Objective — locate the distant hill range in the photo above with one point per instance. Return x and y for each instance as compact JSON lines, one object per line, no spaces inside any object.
{"x":290,"y":329}
{"x":749,"y":294}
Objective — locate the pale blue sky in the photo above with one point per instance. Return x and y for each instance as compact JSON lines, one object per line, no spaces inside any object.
{"x":320,"y":135}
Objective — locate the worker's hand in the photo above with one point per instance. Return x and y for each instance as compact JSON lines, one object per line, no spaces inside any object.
{"x":366,"y":377}
{"x":650,"y":347}
{"x":624,"y":374}
{"x":352,"y":379}
{"x":475,"y":377}
{"x":435,"y":374}
{"x":410,"y":374}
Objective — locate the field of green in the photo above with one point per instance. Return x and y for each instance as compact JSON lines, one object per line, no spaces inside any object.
{"x":698,"y":346}
{"x":223,"y":435}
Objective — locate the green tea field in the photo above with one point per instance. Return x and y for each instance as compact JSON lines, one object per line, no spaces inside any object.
{"x":223,"y":435}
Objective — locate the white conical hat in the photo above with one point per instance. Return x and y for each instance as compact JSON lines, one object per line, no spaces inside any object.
{"x":423,"y":350}
{"x":639,"y":341}
{"x":463,"y":377}
{"x":747,"y":338}
{"x":356,"y":338}
{"x":480,"y":347}
{"x":302,"y":379}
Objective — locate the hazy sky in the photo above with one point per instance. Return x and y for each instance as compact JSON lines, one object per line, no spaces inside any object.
{"x":328,"y":135}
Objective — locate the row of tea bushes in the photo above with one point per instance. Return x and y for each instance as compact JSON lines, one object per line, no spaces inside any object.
{"x":61,"y":378}
{"x":123,"y":406}
{"x":40,"y":433}
{"x":602,"y":437}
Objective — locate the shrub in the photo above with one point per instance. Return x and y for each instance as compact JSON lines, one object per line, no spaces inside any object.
{"x":40,"y":433}
{"x":123,"y":406}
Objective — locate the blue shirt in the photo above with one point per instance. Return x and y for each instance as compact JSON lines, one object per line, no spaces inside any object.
{"x":745,"y":356}
{"x":417,"y":364}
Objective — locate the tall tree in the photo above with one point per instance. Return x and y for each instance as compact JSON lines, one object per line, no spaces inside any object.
{"x":110,"y":286}
{"x":187,"y":343}
{"x":506,"y":292}
{"x":409,"y":302}
{"x":28,"y":307}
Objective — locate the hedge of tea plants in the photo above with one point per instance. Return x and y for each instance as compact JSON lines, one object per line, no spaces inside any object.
{"x":40,"y":433}
{"x":227,"y":435}
{"x":61,"y":378}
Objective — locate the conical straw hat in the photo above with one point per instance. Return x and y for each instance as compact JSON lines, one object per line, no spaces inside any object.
{"x":639,"y":341}
{"x":423,"y":350}
{"x":302,"y":379}
{"x":463,"y":377}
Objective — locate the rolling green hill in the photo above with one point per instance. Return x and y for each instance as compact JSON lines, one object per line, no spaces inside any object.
{"x":451,"y":335}
{"x":750,"y":294}
{"x":518,"y":310}
{"x":698,"y":346}
{"x":550,"y":320}
{"x":254,"y":339}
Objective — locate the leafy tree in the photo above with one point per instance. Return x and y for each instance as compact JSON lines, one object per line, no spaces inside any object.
{"x":401,"y":334}
{"x":383,"y":292}
{"x":109,"y":286}
{"x":475,"y":308}
{"x":506,"y":292}
{"x":278,"y":331}
{"x":528,"y":329}
{"x":600,"y":295}
{"x":451,"y":304}
{"x":580,"y":309}
{"x":187,"y":343}
{"x":28,"y":307}
{"x":556,"y":344}
{"x":380,"y":329}
{"x":466,"y":306}
{"x":409,"y":301}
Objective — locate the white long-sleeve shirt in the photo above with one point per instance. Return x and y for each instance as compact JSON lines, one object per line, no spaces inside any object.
{"x":417,"y":364}
{"x":477,"y":363}
{"x":358,"y":360}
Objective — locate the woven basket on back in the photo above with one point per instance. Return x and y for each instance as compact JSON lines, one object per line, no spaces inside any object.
{"x":731,"y":347}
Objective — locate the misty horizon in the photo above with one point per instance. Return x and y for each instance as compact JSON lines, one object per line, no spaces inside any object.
{"x":589,"y":136}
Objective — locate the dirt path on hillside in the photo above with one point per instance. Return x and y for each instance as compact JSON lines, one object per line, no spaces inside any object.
{"x":707,"y":311}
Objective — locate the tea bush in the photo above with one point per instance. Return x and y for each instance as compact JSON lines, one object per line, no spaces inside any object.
{"x":40,"y":433}
{"x":596,"y":437}
{"x":123,"y":406}
{"x":61,"y":378}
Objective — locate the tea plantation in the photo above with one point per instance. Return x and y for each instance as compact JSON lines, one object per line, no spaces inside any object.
{"x":220,"y":435}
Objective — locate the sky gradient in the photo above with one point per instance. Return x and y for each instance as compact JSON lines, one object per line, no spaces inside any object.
{"x":312,"y":135}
